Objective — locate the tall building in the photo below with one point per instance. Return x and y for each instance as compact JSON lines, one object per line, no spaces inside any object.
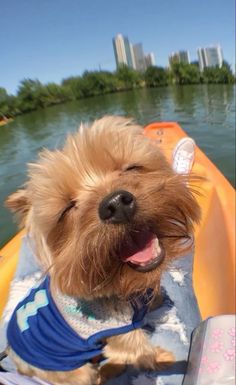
{"x":179,"y":57}
{"x":210,"y":57}
{"x":150,"y":59}
{"x":122,"y":51}
{"x":139,"y":57}
{"x":131,"y":55}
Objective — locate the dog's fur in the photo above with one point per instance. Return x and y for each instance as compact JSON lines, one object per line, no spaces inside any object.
{"x":81,"y":253}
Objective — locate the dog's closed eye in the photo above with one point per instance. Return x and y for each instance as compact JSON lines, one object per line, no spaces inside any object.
{"x":134,"y":167}
{"x":66,"y":209}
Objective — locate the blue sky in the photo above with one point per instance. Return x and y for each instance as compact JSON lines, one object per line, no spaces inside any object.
{"x":54,"y":39}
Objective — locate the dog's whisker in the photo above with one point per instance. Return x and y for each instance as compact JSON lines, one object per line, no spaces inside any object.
{"x":186,"y":236}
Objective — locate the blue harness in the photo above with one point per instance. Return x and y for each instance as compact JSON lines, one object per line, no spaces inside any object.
{"x":39,"y":334}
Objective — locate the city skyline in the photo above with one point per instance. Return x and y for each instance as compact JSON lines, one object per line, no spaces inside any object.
{"x":61,"y":38}
{"x":131,"y":55}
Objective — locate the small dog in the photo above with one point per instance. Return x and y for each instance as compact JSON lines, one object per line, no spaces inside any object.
{"x":107,"y":215}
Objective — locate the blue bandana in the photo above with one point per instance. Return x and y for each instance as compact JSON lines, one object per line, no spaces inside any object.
{"x":39,"y":334}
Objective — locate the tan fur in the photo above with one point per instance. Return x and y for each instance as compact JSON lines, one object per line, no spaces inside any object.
{"x":133,"y":348}
{"x":77,"y":249}
{"x":86,"y":375}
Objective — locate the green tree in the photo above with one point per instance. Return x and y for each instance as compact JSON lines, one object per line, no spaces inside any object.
{"x":75,"y":85}
{"x":31,"y":95}
{"x":8,"y":104}
{"x":218,"y":75}
{"x":98,"y":83}
{"x":183,"y":73}
{"x":56,"y":94}
{"x":156,"y":76}
{"x":3,"y":102}
{"x":128,"y":78}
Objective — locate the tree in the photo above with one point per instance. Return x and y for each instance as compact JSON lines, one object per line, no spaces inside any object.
{"x":98,"y":83}
{"x":156,"y":76}
{"x":8,"y":104}
{"x":128,"y":78}
{"x":56,"y":94}
{"x":218,"y":75}
{"x":31,"y":94}
{"x":3,"y":102}
{"x":75,"y":85}
{"x":184,"y":73}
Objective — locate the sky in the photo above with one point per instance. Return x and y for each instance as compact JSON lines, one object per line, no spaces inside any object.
{"x":54,"y":39}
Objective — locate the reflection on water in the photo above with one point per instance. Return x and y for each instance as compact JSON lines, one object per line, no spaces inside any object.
{"x":207,"y":113}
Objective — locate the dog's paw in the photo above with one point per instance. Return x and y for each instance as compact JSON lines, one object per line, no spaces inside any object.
{"x":109,"y":370}
{"x":157,"y":359}
{"x":163,"y":359}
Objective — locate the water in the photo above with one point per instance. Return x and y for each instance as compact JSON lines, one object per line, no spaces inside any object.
{"x":207,"y":113}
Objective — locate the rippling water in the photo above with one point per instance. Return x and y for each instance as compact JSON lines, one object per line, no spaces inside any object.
{"x":207,"y":113}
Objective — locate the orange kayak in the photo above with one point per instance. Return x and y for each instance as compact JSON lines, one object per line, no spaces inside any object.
{"x":214,"y":266}
{"x":214,"y":259}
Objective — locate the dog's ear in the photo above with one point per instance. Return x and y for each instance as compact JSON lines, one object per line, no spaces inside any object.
{"x":19,"y":203}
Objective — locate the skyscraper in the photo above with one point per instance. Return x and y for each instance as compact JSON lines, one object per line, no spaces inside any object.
{"x":139,"y":57}
{"x":210,"y":57}
{"x":131,"y":55}
{"x":150,"y":59}
{"x":179,"y":57}
{"x":122,"y":50}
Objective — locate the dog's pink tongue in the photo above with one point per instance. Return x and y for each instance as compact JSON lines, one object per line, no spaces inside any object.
{"x":142,"y":249}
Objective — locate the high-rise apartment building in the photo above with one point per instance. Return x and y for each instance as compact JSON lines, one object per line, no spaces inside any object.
{"x":139,"y":57}
{"x":179,"y":57}
{"x":131,"y":55}
{"x":210,"y":57}
{"x":150,"y":59}
{"x":122,"y":51}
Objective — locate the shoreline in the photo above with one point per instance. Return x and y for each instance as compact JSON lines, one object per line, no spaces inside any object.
{"x":4,"y":122}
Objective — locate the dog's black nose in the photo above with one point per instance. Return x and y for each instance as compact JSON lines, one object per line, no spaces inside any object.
{"x":117,"y":207}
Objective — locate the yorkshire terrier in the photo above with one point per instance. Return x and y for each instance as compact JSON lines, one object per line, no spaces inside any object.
{"x":107,"y":215}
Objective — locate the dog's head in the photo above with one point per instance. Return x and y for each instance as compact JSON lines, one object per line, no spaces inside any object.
{"x":107,"y":213}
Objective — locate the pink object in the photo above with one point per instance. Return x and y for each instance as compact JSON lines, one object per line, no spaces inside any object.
{"x":232,"y":332}
{"x":229,"y":354}
{"x":216,"y":347}
{"x":217,"y":333}
{"x":213,"y":367}
{"x":212,"y":353}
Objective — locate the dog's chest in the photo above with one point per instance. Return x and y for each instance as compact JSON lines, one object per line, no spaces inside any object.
{"x":90,"y":317}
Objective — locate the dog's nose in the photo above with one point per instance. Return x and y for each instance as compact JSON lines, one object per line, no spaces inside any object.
{"x":117,"y":207}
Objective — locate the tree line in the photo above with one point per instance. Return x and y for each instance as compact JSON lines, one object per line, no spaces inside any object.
{"x":33,"y":95}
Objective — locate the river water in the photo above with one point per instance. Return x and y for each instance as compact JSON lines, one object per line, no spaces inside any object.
{"x":207,"y":113}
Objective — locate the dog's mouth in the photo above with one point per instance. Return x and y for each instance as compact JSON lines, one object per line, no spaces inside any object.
{"x":143,"y":251}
